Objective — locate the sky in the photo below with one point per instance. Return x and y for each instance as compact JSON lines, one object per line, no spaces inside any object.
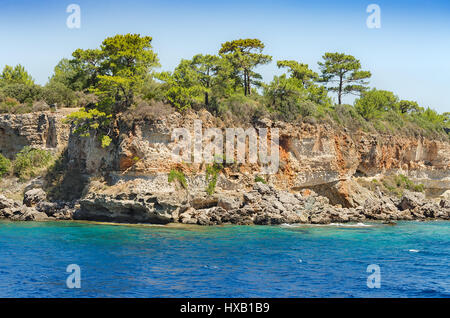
{"x":409,"y":54}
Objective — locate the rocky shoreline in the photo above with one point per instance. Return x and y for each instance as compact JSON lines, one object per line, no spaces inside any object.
{"x":318,"y":181}
{"x":263,"y":205}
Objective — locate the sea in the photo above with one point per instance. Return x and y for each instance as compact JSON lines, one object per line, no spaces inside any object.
{"x":98,"y":260}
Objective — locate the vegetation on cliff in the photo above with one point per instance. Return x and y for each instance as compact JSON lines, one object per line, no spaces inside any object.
{"x":5,"y":165}
{"x":394,"y":185}
{"x":28,"y":163}
{"x":119,"y":78}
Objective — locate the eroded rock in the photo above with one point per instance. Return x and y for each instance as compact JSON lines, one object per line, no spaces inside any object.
{"x":34,"y":196}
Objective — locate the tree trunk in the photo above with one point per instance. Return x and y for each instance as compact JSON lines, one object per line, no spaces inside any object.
{"x":340,"y":90}
{"x":245,"y":82}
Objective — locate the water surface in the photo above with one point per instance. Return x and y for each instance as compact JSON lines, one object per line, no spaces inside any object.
{"x":227,"y":261}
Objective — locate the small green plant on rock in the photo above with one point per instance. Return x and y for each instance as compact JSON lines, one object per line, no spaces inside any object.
{"x":105,"y":140}
{"x":178,"y":175}
{"x":260,"y":179}
{"x":212,"y":173}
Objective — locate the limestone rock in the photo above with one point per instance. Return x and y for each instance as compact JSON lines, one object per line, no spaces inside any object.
{"x":34,"y":196}
{"x":412,"y":200}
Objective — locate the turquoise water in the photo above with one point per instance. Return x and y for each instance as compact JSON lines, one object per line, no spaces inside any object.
{"x":229,"y":261}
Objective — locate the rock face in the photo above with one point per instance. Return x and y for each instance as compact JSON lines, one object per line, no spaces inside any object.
{"x":317,"y":157}
{"x":44,"y":130}
{"x":314,"y":184}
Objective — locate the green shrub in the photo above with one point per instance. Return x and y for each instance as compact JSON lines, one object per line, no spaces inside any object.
{"x":419,"y":188}
{"x":284,"y":96}
{"x":239,"y":109}
{"x":404,"y":182}
{"x":22,"y":92}
{"x":105,"y":140}
{"x":30,"y":162}
{"x":9,"y":105}
{"x":58,"y":93}
{"x":347,"y":116}
{"x":374,"y":102}
{"x":178,"y":175}
{"x":5,"y":165}
{"x":153,"y":91}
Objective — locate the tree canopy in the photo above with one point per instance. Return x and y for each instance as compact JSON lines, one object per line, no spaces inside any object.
{"x":118,"y":69}
{"x":344,"y":71}
{"x":15,"y":75}
{"x":117,"y":80}
{"x":372,"y":103}
{"x":244,"y":55}
{"x":299,"y":71}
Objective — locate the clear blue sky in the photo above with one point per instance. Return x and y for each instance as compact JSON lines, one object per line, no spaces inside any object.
{"x":409,"y":55}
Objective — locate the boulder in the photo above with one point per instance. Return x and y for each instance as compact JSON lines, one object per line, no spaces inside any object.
{"x":412,"y":200}
{"x":34,"y":196}
{"x":34,"y":184}
{"x":445,"y":204}
{"x":229,"y":202}
{"x":187,"y":217}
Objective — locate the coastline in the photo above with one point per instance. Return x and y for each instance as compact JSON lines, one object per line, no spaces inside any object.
{"x":326,"y":175}
{"x":284,"y":208}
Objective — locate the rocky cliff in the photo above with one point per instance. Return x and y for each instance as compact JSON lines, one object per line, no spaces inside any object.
{"x":316,"y":181}
{"x":45,"y":130}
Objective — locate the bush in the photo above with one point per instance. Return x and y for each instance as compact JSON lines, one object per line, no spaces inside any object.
{"x":9,"y":105}
{"x":212,"y":174}
{"x":5,"y":165}
{"x":374,"y":102}
{"x":153,"y":91}
{"x":85,"y":99}
{"x":240,"y":109}
{"x":40,"y":106}
{"x":58,"y":93}
{"x":30,"y":162}
{"x":404,"y":182}
{"x":347,"y":116}
{"x":283,"y":97}
{"x":22,"y":92}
